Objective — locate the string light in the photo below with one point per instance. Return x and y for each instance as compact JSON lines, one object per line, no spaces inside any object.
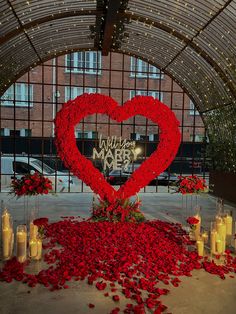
{"x":182,"y":18}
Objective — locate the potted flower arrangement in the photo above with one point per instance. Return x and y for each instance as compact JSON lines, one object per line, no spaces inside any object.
{"x":190,"y":187}
{"x":31,"y":185}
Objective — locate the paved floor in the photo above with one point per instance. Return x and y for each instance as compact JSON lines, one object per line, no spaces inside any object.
{"x":163,"y":206}
{"x":202,"y":293}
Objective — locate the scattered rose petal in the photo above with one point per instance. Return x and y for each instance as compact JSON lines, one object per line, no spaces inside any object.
{"x":126,"y":256}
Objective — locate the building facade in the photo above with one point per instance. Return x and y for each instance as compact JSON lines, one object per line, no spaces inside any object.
{"x":29,"y":106}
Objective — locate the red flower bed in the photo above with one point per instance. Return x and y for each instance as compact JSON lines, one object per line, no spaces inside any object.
{"x":132,"y":257}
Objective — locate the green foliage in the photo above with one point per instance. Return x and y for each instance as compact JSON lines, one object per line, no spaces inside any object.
{"x":121,"y":210}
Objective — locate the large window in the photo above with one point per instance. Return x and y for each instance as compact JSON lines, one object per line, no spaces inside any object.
{"x":141,"y":69}
{"x":23,"y":95}
{"x":73,"y":92}
{"x":84,"y":62}
{"x":155,"y":94}
{"x":28,"y":131}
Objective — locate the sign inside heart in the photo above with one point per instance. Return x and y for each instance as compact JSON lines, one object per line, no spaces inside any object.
{"x":75,"y":110}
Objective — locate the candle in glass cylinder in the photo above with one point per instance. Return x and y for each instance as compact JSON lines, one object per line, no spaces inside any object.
{"x":7,"y":235}
{"x":6,"y":217}
{"x":220,"y":227}
{"x":223,"y":229}
{"x":213,"y":241}
{"x":39,"y":248}
{"x":219,"y":247}
{"x":228,"y":220}
{"x":21,"y":243}
{"x":197,"y":229}
{"x":205,"y":236}
{"x":33,"y":231}
{"x":200,"y":247}
{"x":218,"y":219}
{"x":33,"y":248}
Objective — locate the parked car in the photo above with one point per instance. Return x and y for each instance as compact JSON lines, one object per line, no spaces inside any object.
{"x":118,"y":177}
{"x":17,"y":167}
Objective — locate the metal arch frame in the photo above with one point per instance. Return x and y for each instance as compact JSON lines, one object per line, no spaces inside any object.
{"x":188,"y":43}
{"x":130,"y":16}
{"x":58,"y":16}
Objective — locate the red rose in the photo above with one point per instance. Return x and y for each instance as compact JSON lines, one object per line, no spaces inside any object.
{"x":39,"y":189}
{"x":192,"y":220}
{"x":40,"y":222}
{"x":101,"y":285}
{"x":116,"y":298}
{"x":91,"y":306}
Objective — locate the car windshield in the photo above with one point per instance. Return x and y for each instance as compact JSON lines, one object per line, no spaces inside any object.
{"x":40,"y":164}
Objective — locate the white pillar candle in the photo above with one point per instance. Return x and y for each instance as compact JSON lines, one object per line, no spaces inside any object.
{"x":6,"y":217}
{"x":39,"y":248}
{"x":21,"y":244}
{"x":33,"y":248}
{"x":228,"y":220}
{"x":6,"y":242}
{"x":224,"y":230}
{"x":200,"y":247}
{"x":33,"y":231}
{"x":213,"y":241}
{"x":205,"y":236}
{"x":220,"y":228}
{"x":219,"y":247}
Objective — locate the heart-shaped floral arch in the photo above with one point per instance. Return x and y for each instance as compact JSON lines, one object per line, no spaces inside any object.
{"x":75,"y":110}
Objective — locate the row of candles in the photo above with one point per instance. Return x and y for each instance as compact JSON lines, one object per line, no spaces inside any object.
{"x":22,"y":252}
{"x":221,"y":232}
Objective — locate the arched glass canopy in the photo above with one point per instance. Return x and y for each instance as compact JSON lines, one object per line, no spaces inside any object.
{"x":192,"y":41}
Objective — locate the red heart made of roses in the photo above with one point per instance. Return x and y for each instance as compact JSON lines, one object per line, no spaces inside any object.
{"x":75,"y":110}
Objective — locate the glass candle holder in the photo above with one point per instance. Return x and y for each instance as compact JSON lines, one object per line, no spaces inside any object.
{"x":200,"y":246}
{"x":213,"y":236}
{"x":189,"y":202}
{"x":228,"y":220}
{"x":7,"y":235}
{"x":33,"y":248}
{"x":39,"y":248}
{"x":220,"y":245}
{"x":33,"y":231}
{"x":197,"y":214}
{"x":31,"y":208}
{"x":219,"y":206}
{"x":21,"y":243}
{"x":205,"y":236}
